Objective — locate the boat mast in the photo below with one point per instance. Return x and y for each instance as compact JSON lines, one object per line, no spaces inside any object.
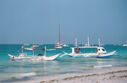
{"x":76,"y":42}
{"x":99,"y":42}
{"x":88,"y":41}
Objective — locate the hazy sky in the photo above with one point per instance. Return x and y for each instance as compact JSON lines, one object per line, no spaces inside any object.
{"x":37,"y":21}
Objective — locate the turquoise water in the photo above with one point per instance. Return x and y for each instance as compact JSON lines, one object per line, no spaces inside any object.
{"x":23,"y":69}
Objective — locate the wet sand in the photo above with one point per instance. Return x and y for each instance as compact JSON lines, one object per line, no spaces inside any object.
{"x":106,"y":75}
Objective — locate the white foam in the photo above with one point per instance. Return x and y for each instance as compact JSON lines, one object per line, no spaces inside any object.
{"x":25,"y":75}
{"x":102,"y":66}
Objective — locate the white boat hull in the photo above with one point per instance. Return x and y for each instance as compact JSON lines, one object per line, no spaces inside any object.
{"x":38,"y":58}
{"x":18,"y":57}
{"x":49,"y":58}
{"x":106,"y":55}
{"x":45,"y":58}
{"x":90,"y":54}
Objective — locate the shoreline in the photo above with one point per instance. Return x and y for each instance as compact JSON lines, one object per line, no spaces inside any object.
{"x":107,"y":75}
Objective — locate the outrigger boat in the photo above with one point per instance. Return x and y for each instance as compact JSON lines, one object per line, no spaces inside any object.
{"x":19,"y":57}
{"x":100,"y":53}
{"x":38,"y":57}
{"x":22,"y":55}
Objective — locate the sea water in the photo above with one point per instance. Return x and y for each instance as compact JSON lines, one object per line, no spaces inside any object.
{"x":24,"y":69}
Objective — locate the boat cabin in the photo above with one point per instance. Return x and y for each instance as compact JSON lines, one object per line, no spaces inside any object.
{"x":99,"y":50}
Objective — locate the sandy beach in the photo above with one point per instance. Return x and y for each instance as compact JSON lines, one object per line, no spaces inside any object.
{"x":106,"y":75}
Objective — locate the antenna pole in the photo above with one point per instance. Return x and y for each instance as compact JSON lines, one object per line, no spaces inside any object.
{"x":99,"y":42}
{"x":88,"y":41}
{"x":76,"y":42}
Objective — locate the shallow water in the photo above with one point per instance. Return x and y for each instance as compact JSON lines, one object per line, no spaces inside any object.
{"x":23,"y":69}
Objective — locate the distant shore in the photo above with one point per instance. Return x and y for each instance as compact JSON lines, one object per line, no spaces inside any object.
{"x":107,"y":75}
